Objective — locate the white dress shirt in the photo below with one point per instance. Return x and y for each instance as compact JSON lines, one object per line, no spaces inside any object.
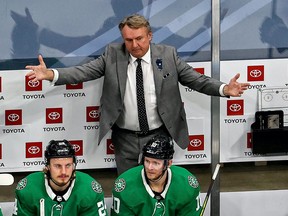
{"x":129,"y":117}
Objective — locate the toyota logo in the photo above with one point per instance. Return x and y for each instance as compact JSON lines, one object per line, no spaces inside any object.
{"x":94,"y":114}
{"x":54,"y":115}
{"x":33,"y":84}
{"x":111,"y":146}
{"x":195,"y":142}
{"x":255,"y":73}
{"x":76,"y":147}
{"x":33,"y":149}
{"x":13,"y":117}
{"x":234,"y":107}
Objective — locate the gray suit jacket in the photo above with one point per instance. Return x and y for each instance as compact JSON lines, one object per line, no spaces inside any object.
{"x":113,"y":66}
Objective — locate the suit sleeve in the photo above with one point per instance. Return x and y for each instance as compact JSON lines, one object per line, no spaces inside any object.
{"x":92,"y":70}
{"x":191,"y":78}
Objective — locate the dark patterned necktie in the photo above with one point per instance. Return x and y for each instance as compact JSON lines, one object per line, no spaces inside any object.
{"x":142,"y":115}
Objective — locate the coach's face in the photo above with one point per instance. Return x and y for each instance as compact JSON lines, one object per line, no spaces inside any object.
{"x":137,"y":41}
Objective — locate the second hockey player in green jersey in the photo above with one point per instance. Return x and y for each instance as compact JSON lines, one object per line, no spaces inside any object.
{"x":156,"y":188}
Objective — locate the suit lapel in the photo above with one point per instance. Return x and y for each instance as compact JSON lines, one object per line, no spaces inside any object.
{"x":122,"y":66}
{"x":157,"y":71}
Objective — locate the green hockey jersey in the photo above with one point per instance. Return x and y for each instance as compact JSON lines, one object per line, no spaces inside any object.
{"x":133,"y":196}
{"x":34,"y":196}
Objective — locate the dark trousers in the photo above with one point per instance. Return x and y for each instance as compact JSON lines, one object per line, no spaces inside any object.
{"x":128,"y":146}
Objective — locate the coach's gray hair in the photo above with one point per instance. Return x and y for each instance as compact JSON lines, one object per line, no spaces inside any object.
{"x":134,"y":21}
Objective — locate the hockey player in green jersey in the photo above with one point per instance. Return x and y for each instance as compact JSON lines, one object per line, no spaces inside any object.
{"x":156,"y":188}
{"x":59,"y":189}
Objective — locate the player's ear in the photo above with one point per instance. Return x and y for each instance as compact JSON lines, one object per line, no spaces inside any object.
{"x":169,"y":163}
{"x":46,"y":169}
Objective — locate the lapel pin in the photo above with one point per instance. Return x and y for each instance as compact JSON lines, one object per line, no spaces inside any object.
{"x":159,"y":64}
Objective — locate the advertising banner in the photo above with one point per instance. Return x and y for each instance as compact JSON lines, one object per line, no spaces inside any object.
{"x":33,"y":113}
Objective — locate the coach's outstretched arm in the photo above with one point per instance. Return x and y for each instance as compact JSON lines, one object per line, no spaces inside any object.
{"x":40,"y":72}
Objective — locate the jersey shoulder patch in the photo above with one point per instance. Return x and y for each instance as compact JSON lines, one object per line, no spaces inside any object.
{"x":21,"y":184}
{"x":193,"y":182}
{"x":96,"y":187}
{"x":120,"y":185}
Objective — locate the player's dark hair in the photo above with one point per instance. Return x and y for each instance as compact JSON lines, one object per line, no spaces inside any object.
{"x":59,"y":149}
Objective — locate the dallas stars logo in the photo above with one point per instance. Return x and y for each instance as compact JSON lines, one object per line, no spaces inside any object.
{"x":96,"y":187}
{"x":21,"y":184}
{"x":120,"y":185}
{"x":193,"y":181}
